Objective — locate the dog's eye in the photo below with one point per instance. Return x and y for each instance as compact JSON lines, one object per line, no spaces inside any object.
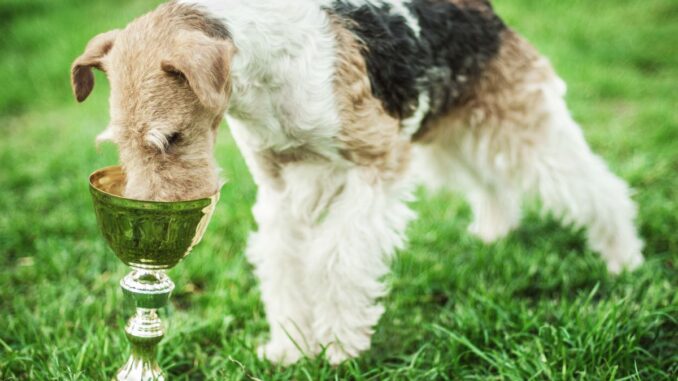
{"x":173,"y":138}
{"x":176,"y":74}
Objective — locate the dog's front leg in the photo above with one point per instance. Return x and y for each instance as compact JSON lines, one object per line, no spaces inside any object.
{"x":349,"y":253}
{"x":274,"y":250}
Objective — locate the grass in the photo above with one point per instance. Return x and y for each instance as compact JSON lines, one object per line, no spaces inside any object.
{"x":535,"y":306}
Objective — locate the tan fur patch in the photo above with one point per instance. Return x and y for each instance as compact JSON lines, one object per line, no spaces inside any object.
{"x":369,"y":136}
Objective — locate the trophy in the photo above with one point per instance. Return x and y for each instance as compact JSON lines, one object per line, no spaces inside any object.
{"x":150,"y":237}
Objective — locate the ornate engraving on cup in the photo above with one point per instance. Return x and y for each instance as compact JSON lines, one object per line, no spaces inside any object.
{"x":150,"y":237}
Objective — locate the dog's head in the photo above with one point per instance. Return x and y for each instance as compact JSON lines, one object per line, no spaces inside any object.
{"x":169,"y":77}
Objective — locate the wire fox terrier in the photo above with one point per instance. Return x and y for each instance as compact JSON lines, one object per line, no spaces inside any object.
{"x":339,"y":107}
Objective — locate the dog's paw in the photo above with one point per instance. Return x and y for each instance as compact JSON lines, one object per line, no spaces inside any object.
{"x":620,"y":254}
{"x":618,"y":265}
{"x":282,"y":352}
{"x":489,"y":232}
{"x":335,"y":354}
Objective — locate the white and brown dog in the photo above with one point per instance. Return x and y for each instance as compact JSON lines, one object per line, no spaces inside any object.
{"x":337,"y":105}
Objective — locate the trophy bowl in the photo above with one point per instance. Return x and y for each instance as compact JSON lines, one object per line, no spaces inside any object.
{"x":150,"y":237}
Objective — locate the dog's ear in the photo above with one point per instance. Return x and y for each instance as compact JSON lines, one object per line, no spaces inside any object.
{"x":82,"y":78}
{"x":205,"y":62}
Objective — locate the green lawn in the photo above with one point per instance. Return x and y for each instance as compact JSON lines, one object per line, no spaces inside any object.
{"x":537,"y":305}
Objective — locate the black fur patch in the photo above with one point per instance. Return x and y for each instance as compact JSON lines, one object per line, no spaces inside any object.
{"x":454,"y":45}
{"x":392,"y":54}
{"x":458,"y":43}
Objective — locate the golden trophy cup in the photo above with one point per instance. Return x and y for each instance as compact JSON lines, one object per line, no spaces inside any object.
{"x":150,"y":237}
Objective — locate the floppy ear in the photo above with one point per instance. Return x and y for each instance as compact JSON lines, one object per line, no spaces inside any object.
{"x":82,"y":78}
{"x":205,"y":62}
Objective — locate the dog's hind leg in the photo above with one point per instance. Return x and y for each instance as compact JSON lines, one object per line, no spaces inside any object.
{"x":571,"y":181}
{"x":574,"y":183}
{"x":448,"y":163}
{"x":495,"y":212}
{"x":516,"y":136}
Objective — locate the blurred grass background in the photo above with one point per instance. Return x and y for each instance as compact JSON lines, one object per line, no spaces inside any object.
{"x":537,"y":305}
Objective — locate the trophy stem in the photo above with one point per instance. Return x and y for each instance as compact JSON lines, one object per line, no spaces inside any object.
{"x":150,"y":290}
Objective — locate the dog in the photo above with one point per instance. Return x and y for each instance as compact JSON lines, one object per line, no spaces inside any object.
{"x":340,"y":108}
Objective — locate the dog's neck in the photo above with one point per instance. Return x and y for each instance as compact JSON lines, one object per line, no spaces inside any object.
{"x":277,"y":43}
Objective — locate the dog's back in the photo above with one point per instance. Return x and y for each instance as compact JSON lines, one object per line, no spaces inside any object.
{"x":423,"y":53}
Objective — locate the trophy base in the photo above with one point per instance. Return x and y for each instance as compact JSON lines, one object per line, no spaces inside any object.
{"x":137,"y":369}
